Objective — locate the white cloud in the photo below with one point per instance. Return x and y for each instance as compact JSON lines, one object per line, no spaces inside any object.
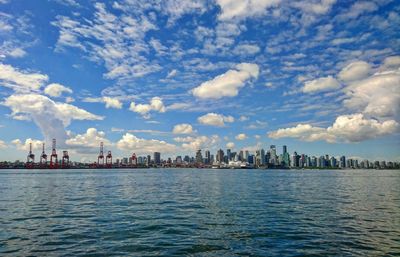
{"x":20,"y":81}
{"x":3,"y":144}
{"x":172,"y":73}
{"x":355,"y":128}
{"x":304,"y":132}
{"x":346,"y":128}
{"x":321,"y":84}
{"x":376,"y":96}
{"x":51,"y":117}
{"x":144,"y":146}
{"x":246,"y":49}
{"x":391,"y":63}
{"x":110,"y":102}
{"x":243,"y":118}
{"x":118,"y":41}
{"x":359,"y":8}
{"x":214,"y":119}
{"x":241,"y":136}
{"x":36,"y":144}
{"x":156,"y":104}
{"x":227,"y":84}
{"x":234,"y":9}
{"x":230,"y":145}
{"x":199,"y":142}
{"x":17,"y":52}
{"x":55,"y":90}
{"x":258,"y":124}
{"x":355,"y":71}
{"x":183,"y":128}
{"x":318,"y":7}
{"x":91,"y":138}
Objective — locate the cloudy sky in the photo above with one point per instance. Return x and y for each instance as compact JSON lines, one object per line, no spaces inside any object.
{"x":321,"y":76}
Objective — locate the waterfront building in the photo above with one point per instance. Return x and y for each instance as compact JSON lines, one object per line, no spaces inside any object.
{"x":272,"y":155}
{"x":208,"y":157}
{"x":220,"y":156}
{"x":342,"y":162}
{"x":199,"y":157}
{"x":228,"y":154}
{"x":157,"y":158}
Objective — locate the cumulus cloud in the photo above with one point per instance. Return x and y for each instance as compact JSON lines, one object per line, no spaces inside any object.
{"x":241,"y":136}
{"x":110,"y":102}
{"x":214,"y":119}
{"x":346,"y":128}
{"x":90,"y":139}
{"x":20,"y":80}
{"x":55,"y":90}
{"x":321,"y":84}
{"x":144,"y":146}
{"x":199,"y":142}
{"x":156,"y":104}
{"x":227,"y":84}
{"x":24,"y":146}
{"x":377,"y":96}
{"x":183,"y":128}
{"x":51,"y":117}
{"x":355,"y":71}
{"x":230,"y":145}
{"x":391,"y":63}
{"x":233,"y":9}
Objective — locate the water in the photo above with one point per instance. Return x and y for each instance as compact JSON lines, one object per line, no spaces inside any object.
{"x":199,"y":213}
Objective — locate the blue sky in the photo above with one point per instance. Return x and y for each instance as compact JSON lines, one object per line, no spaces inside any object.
{"x":173,"y":76}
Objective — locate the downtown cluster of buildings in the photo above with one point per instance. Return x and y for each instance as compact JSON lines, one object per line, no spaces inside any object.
{"x":262,"y":159}
{"x":258,"y":159}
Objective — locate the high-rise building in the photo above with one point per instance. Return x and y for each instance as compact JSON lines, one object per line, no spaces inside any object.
{"x":157,"y":158}
{"x":228,"y":154}
{"x":220,"y":156}
{"x":186,"y":159}
{"x":241,"y":156}
{"x":148,"y":160}
{"x":199,"y":157}
{"x":246,"y":156}
{"x":208,"y":157}
{"x":260,"y":157}
{"x":273,"y":160}
{"x":295,"y":160}
{"x":343,"y":162}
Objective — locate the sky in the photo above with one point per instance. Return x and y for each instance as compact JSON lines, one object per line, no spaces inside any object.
{"x":320,"y":76}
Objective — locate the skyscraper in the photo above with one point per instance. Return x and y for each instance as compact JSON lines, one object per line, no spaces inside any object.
{"x":199,"y":157}
{"x":157,"y":158}
{"x":208,"y":157}
{"x":220,"y":156}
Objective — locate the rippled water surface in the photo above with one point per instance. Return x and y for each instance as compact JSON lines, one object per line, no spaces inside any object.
{"x":199,"y":212}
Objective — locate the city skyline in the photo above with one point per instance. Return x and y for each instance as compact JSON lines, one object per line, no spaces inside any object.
{"x":322,"y":77}
{"x":263,"y":157}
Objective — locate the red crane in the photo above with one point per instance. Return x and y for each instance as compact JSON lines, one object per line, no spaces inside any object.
{"x":65,"y":160}
{"x":101,"y":155}
{"x":53,"y":156}
{"x":43,"y":158}
{"x":30,"y":159}
{"x":109,"y":160}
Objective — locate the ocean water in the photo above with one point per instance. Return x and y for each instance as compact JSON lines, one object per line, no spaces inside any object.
{"x":199,"y":212}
